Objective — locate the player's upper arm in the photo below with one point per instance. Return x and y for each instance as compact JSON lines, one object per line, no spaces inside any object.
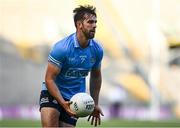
{"x":51,"y":72}
{"x":99,"y":56}
{"x":56,"y":60}
{"x":58,"y":54}
{"x":96,"y":72}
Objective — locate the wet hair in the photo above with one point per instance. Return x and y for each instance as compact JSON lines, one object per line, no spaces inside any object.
{"x":80,"y":11}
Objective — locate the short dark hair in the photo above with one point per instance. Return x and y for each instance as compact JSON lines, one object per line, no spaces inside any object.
{"x":80,"y":11}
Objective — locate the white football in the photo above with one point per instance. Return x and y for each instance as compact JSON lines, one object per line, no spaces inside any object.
{"x":83,"y":104}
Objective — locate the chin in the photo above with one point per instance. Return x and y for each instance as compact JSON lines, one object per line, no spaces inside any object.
{"x":91,"y":36}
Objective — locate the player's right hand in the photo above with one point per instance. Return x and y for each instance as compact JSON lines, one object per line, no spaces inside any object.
{"x":66,"y":106}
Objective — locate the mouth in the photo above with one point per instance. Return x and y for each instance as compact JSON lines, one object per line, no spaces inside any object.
{"x":92,"y":31}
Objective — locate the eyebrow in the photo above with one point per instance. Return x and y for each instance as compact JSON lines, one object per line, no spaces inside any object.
{"x":92,"y":21}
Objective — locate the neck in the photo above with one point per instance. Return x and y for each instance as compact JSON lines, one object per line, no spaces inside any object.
{"x":83,"y":41}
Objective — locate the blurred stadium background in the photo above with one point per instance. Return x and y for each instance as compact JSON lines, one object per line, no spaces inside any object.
{"x":141,"y":66}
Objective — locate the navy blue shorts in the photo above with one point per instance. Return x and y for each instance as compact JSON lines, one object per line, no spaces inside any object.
{"x":46,"y":100}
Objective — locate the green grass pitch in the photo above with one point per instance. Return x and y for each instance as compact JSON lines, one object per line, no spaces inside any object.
{"x":108,"y":123}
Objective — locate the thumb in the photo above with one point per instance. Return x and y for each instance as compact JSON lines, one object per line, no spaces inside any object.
{"x":102,"y":114}
{"x":70,"y":102}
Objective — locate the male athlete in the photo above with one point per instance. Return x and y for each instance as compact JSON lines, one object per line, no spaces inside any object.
{"x":69,"y":62}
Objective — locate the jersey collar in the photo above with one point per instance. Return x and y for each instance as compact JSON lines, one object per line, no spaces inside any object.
{"x":76,"y":43}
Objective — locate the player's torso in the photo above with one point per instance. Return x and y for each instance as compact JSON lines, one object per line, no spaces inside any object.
{"x":78,"y":62}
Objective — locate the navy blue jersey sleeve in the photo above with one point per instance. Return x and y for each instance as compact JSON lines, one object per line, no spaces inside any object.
{"x":57,"y":55}
{"x":99,"y":56}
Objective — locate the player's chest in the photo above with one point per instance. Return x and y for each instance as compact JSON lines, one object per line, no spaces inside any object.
{"x":81,"y":59}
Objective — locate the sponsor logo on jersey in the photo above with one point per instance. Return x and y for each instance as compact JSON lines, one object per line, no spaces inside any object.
{"x":76,"y":72}
{"x":92,"y":60}
{"x":83,"y":58}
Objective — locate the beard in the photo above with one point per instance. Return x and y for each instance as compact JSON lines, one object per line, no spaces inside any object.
{"x":89,"y":34}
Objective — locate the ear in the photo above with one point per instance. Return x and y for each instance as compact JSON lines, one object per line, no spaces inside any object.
{"x":79,"y":24}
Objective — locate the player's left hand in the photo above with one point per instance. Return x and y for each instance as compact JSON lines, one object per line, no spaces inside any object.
{"x":95,"y":116}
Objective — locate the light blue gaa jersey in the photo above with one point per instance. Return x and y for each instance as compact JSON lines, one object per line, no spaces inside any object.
{"x":75,"y":63}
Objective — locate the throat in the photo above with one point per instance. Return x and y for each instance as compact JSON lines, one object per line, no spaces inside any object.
{"x":83,"y":42}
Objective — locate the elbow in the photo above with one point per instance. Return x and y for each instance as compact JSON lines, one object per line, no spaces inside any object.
{"x":48,"y":81}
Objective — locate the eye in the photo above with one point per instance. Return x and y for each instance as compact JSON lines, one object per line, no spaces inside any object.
{"x":92,"y":21}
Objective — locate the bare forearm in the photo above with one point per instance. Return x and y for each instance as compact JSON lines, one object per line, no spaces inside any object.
{"x":95,"y":86}
{"x":51,"y":73}
{"x":53,"y":90}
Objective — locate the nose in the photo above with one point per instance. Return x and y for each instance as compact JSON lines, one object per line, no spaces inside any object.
{"x":94,"y":25}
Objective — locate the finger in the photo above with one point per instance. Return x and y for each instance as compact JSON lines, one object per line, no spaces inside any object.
{"x":101,"y":113}
{"x":95,"y":124}
{"x":71,"y":113}
{"x":70,"y":102}
{"x":92,"y":120}
{"x":99,"y":120}
{"x":89,"y":118}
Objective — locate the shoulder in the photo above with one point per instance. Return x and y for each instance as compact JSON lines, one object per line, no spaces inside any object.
{"x":97,"y":46}
{"x":64,"y":44}
{"x":62,"y":48}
